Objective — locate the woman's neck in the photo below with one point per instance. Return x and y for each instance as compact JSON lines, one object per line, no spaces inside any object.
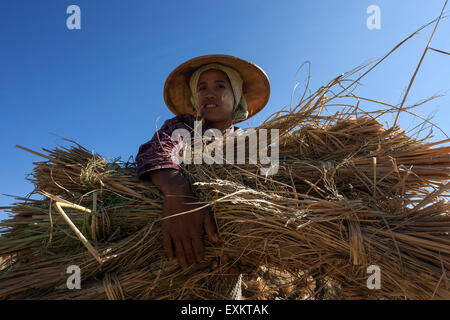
{"x":221,"y":125}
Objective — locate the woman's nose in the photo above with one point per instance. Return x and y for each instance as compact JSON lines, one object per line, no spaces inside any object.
{"x":209,"y":93}
{"x":210,"y":96}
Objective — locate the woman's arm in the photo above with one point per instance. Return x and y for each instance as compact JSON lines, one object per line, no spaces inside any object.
{"x":169,"y":181}
{"x":183,"y":234}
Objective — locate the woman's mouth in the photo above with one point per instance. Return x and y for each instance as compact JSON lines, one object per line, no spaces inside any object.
{"x":210,"y":106}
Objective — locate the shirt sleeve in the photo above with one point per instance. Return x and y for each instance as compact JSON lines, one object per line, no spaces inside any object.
{"x":157,"y":153}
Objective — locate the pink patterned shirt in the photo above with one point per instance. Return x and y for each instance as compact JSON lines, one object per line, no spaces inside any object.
{"x":156,"y":153}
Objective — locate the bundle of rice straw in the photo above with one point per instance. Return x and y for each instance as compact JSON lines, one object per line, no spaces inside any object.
{"x":349,"y":194}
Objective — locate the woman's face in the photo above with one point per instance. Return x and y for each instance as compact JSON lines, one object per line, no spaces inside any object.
{"x":215,"y":96}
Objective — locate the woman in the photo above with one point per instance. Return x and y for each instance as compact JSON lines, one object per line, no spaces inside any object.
{"x":221,"y":90}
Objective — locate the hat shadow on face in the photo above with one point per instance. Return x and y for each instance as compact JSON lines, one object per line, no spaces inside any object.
{"x":210,"y":76}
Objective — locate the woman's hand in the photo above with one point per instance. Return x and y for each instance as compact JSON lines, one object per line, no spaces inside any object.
{"x":183,"y":234}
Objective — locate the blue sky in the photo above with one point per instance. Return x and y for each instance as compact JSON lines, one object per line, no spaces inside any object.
{"x":102,"y":85}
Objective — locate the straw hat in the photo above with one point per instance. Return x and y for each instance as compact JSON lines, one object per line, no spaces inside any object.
{"x":256,"y":87}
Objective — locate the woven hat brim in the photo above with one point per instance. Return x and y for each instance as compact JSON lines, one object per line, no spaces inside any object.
{"x":256,"y":87}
